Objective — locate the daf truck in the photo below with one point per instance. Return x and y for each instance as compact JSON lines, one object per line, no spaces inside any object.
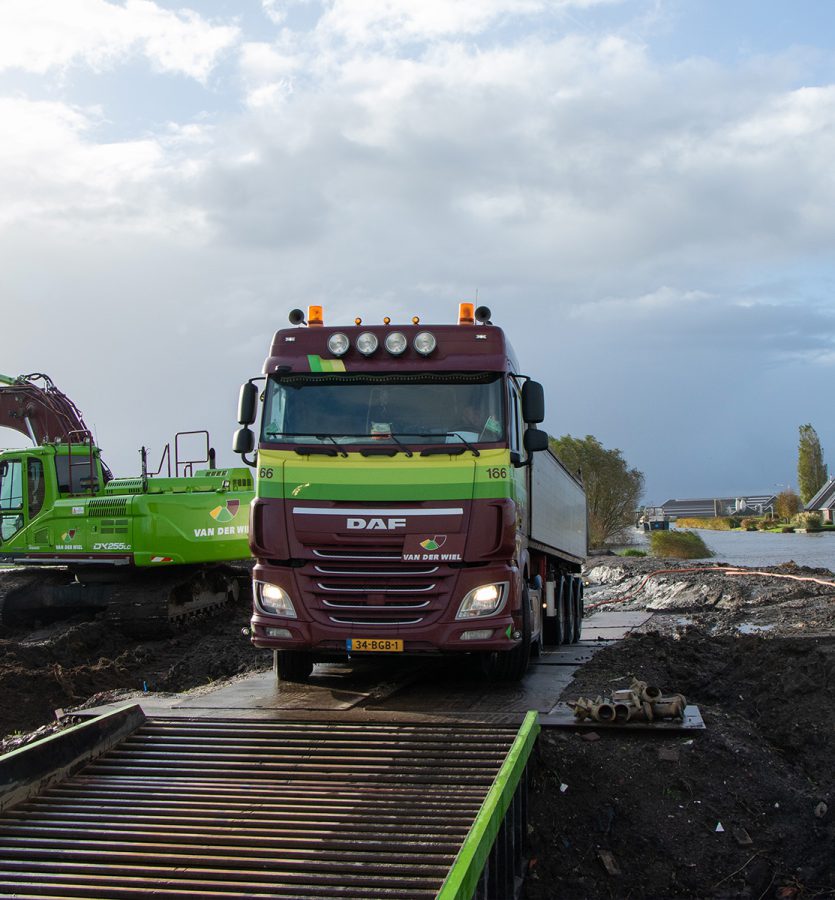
{"x":406,"y":502}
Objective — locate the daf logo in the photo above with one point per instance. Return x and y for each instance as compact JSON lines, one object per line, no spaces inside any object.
{"x":376,"y":524}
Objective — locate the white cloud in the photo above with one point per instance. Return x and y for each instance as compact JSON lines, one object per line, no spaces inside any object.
{"x":390,"y":157}
{"x":55,"y":176}
{"x":361,"y":22}
{"x":41,"y":35}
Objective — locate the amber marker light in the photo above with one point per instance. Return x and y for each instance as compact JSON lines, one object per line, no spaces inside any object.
{"x":466,"y":314}
{"x":415,"y":320}
{"x":386,"y":320}
{"x":358,"y":321}
{"x":315,"y":316}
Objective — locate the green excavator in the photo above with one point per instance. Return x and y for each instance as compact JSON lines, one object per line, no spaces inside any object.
{"x":148,"y":553}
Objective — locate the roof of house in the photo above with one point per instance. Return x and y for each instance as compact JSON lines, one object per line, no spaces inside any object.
{"x":706,"y":507}
{"x":825,"y":497}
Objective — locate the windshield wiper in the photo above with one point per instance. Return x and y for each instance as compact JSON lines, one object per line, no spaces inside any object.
{"x":323,"y":451}
{"x":475,"y":450}
{"x":329,"y":437}
{"x":327,"y":451}
{"x":403,"y":447}
{"x":449,"y":449}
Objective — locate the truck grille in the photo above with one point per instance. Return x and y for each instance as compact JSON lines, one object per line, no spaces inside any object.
{"x":359,"y":553}
{"x":372,"y":587}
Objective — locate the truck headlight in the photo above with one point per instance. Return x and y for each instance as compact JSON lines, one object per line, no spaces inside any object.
{"x":485,"y":600}
{"x":273,"y":599}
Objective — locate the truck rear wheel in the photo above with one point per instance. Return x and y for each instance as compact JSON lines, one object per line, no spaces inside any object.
{"x":293,"y":665}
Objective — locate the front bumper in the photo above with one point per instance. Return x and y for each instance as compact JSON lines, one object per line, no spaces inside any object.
{"x":429,"y":628}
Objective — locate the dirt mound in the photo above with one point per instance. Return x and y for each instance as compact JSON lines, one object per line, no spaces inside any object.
{"x":63,"y":665}
{"x":743,"y":809}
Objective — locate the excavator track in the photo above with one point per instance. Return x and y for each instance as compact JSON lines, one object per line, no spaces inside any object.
{"x":127,"y":806}
{"x":142,"y":604}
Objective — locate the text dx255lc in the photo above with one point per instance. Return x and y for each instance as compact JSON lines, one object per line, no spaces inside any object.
{"x":405,"y":501}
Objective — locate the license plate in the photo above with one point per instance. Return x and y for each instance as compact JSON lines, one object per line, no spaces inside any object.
{"x":374,"y":645}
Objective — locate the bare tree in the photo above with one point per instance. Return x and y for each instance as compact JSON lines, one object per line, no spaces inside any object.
{"x":613,"y":490}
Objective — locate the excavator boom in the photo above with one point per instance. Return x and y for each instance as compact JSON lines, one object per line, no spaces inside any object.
{"x":41,"y":412}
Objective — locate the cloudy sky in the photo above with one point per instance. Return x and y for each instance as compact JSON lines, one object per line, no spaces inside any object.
{"x":643,"y":191}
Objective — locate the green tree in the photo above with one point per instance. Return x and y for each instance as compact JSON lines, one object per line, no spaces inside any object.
{"x":786,"y":505}
{"x":612,"y":488}
{"x":811,"y":469}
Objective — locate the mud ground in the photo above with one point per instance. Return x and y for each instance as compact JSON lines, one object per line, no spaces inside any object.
{"x":71,"y":664}
{"x":743,"y":809}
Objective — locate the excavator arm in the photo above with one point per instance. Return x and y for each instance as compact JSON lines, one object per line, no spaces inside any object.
{"x":32,"y":405}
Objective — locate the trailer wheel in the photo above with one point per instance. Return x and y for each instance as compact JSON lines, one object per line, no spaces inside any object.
{"x":578,"y":609}
{"x":512,"y":665}
{"x":553,"y":627}
{"x":293,"y":665}
{"x":568,"y":607}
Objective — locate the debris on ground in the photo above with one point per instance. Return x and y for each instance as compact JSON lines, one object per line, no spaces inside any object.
{"x":762,"y":769}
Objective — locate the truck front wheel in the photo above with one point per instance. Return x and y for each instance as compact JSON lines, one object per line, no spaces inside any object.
{"x":293,"y":665}
{"x":512,"y":665}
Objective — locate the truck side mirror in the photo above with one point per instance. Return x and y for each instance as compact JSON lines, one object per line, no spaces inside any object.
{"x":248,"y":404}
{"x":535,"y":440}
{"x":243,"y":441}
{"x":533,"y":402}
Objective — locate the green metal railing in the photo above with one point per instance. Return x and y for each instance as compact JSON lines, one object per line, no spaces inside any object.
{"x":490,"y":859}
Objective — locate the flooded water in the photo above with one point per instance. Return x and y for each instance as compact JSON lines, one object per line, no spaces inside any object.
{"x":756,"y":548}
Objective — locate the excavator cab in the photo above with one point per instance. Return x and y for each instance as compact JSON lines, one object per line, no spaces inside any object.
{"x":11,"y":498}
{"x":22,"y":492}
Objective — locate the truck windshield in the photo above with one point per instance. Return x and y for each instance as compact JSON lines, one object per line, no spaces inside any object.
{"x":418,"y":409}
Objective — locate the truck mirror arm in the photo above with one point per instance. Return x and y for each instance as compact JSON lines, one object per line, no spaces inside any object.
{"x":517,"y":462}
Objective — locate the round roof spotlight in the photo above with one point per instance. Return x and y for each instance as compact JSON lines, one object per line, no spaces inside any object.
{"x":424,"y":343}
{"x":482,"y":315}
{"x":296,"y":317}
{"x":338,"y":343}
{"x":396,"y":343}
{"x":367,"y":343}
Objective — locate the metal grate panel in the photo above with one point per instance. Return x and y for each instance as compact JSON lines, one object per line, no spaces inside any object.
{"x":222,"y":808}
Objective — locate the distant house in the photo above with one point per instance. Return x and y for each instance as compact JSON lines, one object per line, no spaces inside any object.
{"x":708,"y":507}
{"x":824,"y":501}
